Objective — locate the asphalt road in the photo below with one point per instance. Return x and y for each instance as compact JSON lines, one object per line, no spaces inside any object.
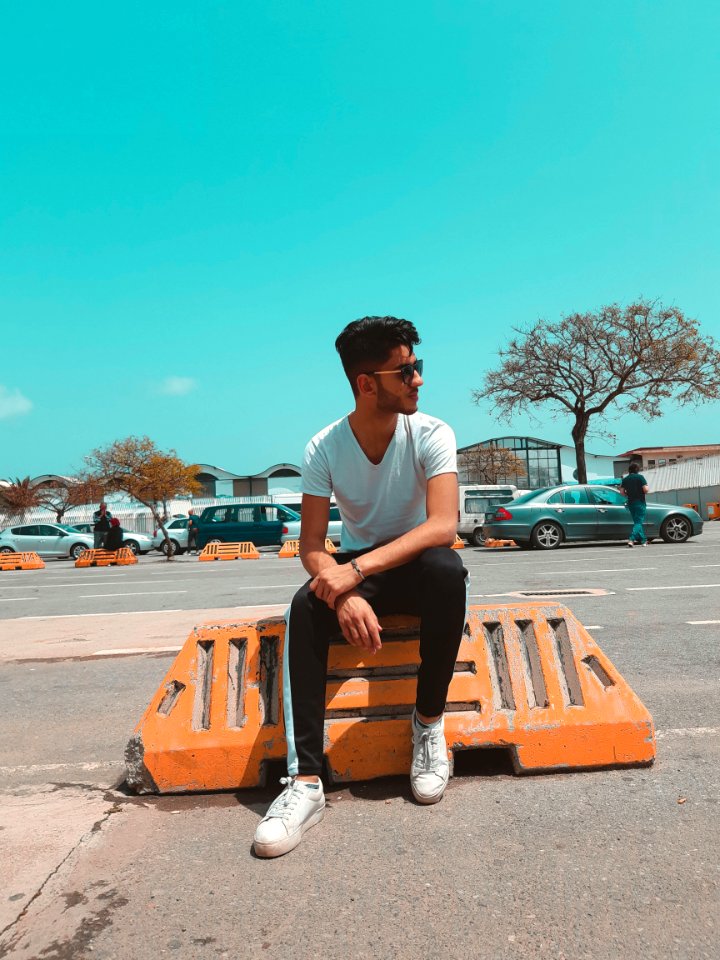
{"x":603,"y":864}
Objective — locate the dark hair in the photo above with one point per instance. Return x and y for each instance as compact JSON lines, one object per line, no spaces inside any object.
{"x":366,"y":344}
{"x":634,"y":468}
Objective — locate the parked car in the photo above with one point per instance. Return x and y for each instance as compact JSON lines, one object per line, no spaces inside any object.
{"x":546,"y":518}
{"x":476,"y":502}
{"x":138,"y":542}
{"x":177,"y":531}
{"x":261,"y":523}
{"x":291,"y":530}
{"x":45,"y":539}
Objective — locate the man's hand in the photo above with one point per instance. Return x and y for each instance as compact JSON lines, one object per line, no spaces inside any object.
{"x":358,"y":622}
{"x":333,"y":581}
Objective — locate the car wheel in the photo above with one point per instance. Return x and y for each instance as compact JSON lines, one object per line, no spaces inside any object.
{"x":77,"y":549}
{"x":6,"y":550}
{"x":477,"y":537}
{"x":132,"y":545}
{"x":173,"y":548}
{"x":216,"y":541}
{"x":547,"y":535}
{"x":676,"y":529}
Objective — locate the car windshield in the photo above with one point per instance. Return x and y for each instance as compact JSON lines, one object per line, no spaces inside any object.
{"x":526,"y":497}
{"x":69,"y":528}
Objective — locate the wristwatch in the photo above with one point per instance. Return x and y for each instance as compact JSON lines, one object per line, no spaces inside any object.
{"x":356,"y":568}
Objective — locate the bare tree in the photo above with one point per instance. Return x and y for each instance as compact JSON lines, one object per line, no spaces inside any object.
{"x":138,"y":468}
{"x":61,"y":493}
{"x":597,"y":365}
{"x":489,"y":465}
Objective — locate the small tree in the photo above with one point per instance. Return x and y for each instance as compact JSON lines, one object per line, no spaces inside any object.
{"x":17,"y":497}
{"x":489,"y":465}
{"x":630,"y":359}
{"x":138,"y":468}
{"x":61,"y":493}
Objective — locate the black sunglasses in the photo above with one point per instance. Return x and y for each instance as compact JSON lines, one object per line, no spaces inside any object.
{"x":406,"y":371}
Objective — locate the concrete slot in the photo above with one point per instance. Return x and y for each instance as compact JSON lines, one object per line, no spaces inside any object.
{"x":172,"y":692}
{"x":499,"y":671}
{"x":569,"y":679}
{"x":203,"y":688}
{"x":237,"y":653}
{"x":600,"y":672}
{"x":269,"y":676}
{"x":534,"y":677}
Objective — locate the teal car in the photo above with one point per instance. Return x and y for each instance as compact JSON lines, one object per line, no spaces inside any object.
{"x":545,"y":519}
{"x":260,"y":523}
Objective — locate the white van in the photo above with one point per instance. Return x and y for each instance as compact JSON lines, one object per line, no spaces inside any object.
{"x":476,"y":500}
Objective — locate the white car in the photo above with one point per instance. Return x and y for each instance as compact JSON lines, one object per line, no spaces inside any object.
{"x":45,"y":539}
{"x":291,"y":529}
{"x":177,"y":531}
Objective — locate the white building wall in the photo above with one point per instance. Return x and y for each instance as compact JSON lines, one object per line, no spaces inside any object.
{"x":598,"y":467}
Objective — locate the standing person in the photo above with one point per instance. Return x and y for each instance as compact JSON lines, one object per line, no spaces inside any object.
{"x":193,"y":530}
{"x":394,"y":475}
{"x":102,"y":518}
{"x":635,"y":486}
{"x":114,"y":538}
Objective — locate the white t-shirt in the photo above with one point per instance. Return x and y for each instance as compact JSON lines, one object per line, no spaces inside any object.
{"x":379,"y":502}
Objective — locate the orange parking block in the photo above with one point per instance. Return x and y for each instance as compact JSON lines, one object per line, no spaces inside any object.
{"x":123,"y":557}
{"x":291,"y":548}
{"x":493,"y":544}
{"x":459,"y":543}
{"x":230,"y":551}
{"x":21,"y":561}
{"x":528,"y":678}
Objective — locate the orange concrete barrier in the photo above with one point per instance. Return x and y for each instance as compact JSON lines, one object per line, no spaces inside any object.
{"x":21,"y":561}
{"x":330,"y":546}
{"x":291,"y":548}
{"x":123,"y":557}
{"x":713,"y":511}
{"x":230,"y":551}
{"x":492,"y":544}
{"x":692,"y":506}
{"x":459,"y":543}
{"x":528,"y":677}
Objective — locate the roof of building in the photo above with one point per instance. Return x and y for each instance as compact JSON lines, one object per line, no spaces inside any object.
{"x":704,"y":472}
{"x":682,"y":446}
{"x":221,"y":474}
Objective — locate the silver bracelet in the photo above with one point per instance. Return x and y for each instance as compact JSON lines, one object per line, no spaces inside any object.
{"x":356,"y":568}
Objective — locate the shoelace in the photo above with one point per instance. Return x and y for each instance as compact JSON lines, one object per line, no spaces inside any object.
{"x":429,"y":755}
{"x":283,"y":805}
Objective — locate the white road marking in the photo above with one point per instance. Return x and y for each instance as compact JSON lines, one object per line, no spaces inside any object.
{"x":108,"y":764}
{"x":135,"y":593}
{"x":700,"y":566}
{"x":700,"y":623}
{"x":143,"y":613}
{"x":685,"y":586}
{"x":17,"y":599}
{"x":594,"y":626}
{"x":581,"y":573}
{"x":687,"y":732}
{"x":50,"y":767}
{"x":126,"y":651}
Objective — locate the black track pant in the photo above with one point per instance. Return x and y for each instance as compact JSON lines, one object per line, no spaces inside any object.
{"x":433,"y":587}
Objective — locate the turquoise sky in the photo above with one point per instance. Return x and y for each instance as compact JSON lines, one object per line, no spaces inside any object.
{"x":196,"y":197}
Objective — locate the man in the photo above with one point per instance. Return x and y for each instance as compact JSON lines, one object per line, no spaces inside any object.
{"x":101,"y":518}
{"x":193,"y":530}
{"x":634,"y":486}
{"x":394,"y":475}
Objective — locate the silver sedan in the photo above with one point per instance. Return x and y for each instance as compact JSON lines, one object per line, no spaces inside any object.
{"x":45,"y":539}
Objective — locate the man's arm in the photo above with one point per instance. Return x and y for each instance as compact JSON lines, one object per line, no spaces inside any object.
{"x":438,"y":530}
{"x":315,"y":515}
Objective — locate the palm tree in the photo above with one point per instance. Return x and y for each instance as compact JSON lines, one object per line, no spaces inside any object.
{"x":16,"y":498}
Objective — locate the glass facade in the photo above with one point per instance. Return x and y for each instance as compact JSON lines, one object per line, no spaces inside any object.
{"x":526,"y":462}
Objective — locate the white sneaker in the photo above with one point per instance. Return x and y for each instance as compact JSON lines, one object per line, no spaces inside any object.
{"x":630,"y":543}
{"x":300,"y":806}
{"x":430,"y":770}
